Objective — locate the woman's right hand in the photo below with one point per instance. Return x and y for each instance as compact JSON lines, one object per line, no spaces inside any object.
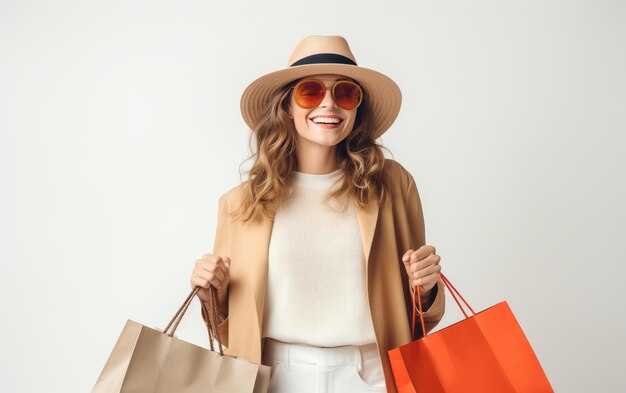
{"x":211,"y":270}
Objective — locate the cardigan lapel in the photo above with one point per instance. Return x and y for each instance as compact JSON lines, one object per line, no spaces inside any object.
{"x":256,"y":249}
{"x":257,"y":259}
{"x":367,"y":217}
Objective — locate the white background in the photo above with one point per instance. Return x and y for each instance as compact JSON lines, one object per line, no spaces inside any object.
{"x":120,"y":128}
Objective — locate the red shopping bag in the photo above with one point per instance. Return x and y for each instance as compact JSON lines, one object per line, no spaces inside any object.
{"x":486,"y":352}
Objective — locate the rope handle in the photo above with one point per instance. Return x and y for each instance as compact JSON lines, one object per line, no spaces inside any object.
{"x":180,"y":312}
{"x":209,"y":316}
{"x":453,"y":291}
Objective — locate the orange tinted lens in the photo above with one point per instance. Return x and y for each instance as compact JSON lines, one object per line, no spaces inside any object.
{"x":347,"y":95}
{"x":309,"y":94}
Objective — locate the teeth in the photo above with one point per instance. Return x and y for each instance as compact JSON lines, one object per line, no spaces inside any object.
{"x":331,"y":120}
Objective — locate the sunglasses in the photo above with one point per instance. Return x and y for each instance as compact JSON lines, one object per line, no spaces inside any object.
{"x":309,"y":93}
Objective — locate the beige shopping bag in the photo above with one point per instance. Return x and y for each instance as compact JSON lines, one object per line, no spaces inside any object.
{"x":146,"y":360}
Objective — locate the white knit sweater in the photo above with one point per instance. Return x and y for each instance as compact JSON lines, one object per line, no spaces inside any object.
{"x":316,"y":291}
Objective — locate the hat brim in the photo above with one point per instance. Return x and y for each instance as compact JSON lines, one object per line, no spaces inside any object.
{"x":384,"y":94}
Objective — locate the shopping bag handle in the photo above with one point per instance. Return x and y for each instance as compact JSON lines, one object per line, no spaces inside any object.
{"x":210,"y":316}
{"x":453,"y":291}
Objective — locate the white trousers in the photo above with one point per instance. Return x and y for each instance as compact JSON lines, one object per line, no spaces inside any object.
{"x":304,"y":368}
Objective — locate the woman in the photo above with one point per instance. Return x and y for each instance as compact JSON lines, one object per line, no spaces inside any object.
{"x":317,"y":253}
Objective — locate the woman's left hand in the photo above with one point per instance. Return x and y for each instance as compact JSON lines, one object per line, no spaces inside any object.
{"x":422,"y":267}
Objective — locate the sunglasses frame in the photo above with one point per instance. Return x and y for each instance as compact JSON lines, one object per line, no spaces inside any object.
{"x":332,"y":92}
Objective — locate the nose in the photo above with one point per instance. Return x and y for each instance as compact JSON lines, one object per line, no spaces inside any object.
{"x":328,"y":100}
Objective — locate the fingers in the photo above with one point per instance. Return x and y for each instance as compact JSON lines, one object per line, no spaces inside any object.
{"x":218,"y":272}
{"x":425,"y":284}
{"x":424,"y":273}
{"x":204,"y":278}
{"x":224,"y":266}
{"x":411,"y":256}
{"x":422,"y":267}
{"x":426,"y":279}
{"x":423,"y":252}
{"x":211,"y":270}
{"x":426,"y":262}
{"x":406,"y":255}
{"x":203,"y":282}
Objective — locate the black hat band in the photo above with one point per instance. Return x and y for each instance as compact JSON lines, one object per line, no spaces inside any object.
{"x":324,"y":58}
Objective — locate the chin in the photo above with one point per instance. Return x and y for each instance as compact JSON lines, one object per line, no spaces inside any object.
{"x":316,"y":139}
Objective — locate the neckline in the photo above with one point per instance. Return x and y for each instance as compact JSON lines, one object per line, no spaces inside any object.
{"x":316,"y":180}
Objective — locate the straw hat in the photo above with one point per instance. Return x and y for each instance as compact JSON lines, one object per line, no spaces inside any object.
{"x":319,"y":54}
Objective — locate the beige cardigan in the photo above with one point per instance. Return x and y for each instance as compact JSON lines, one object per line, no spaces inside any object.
{"x":387,"y":233}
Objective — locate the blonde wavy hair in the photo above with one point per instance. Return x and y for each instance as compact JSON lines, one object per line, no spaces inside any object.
{"x":270,"y":179}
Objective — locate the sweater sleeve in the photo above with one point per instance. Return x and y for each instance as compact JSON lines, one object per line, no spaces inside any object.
{"x":435,"y":312}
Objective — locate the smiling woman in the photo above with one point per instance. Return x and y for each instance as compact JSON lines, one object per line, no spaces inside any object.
{"x":321,"y":123}
{"x":317,"y":253}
